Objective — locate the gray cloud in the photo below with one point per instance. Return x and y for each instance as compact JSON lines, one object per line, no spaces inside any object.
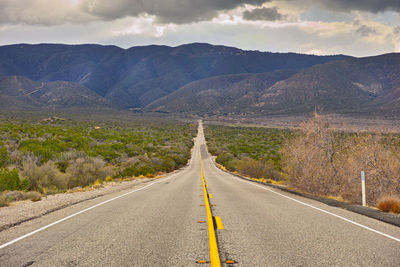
{"x":366,"y":5}
{"x":373,"y":6}
{"x":55,"y":12}
{"x":365,"y":31}
{"x":176,"y":11}
{"x":41,"y":12}
{"x":264,"y":13}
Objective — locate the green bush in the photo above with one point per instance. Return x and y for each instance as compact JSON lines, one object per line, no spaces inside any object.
{"x":231,"y":165}
{"x":224,"y":157}
{"x":56,"y":154}
{"x":62,"y":165}
{"x":250,"y":151}
{"x":3,"y":157}
{"x":137,"y":170}
{"x":25,"y":184}
{"x":9,"y":180}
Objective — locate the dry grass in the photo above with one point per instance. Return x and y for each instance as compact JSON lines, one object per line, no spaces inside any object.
{"x":257,"y":169}
{"x":7,"y":197}
{"x":389,"y":204}
{"x":3,"y":200}
{"x":33,"y":196}
{"x":323,"y":161}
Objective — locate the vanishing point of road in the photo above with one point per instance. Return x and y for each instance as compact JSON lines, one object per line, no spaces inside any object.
{"x":201,"y":216}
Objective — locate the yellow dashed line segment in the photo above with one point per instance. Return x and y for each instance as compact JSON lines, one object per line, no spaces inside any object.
{"x":218,"y":221}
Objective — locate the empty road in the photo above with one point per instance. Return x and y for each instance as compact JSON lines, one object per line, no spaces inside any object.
{"x":164,"y":223}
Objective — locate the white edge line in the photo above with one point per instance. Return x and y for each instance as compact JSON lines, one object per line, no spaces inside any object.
{"x":305,"y":204}
{"x":321,"y":210}
{"x":310,"y":206}
{"x":80,"y":212}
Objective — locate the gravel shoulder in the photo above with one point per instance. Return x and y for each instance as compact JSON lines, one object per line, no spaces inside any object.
{"x":22,"y":211}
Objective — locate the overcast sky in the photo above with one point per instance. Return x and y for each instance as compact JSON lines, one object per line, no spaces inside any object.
{"x":352,"y":27}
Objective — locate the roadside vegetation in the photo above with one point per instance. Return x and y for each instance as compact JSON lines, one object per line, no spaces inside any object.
{"x":250,"y":151}
{"x":328,"y":162}
{"x":315,"y":159}
{"x":55,"y":155}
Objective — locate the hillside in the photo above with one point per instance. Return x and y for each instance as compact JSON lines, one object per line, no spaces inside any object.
{"x":221,"y":94}
{"x":138,"y":76}
{"x":352,"y":85}
{"x":364,"y":84}
{"x":18,"y":92}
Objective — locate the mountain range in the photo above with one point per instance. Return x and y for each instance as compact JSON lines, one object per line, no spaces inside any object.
{"x":195,"y":78}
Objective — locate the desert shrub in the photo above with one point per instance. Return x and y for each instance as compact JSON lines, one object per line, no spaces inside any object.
{"x":137,"y":170}
{"x":327,"y":162}
{"x":16,"y":157}
{"x":389,"y":204}
{"x":309,"y":158}
{"x":370,"y":153}
{"x":15,"y":196}
{"x":62,"y":166}
{"x":55,"y":145}
{"x":9,"y":180}
{"x":3,"y":200}
{"x":179,"y":159}
{"x":84,"y":171}
{"x":133,"y":150}
{"x":168,"y":164}
{"x":45,"y":150}
{"x":213,"y":150}
{"x":25,"y":184}
{"x":224,"y":157}
{"x":33,"y":196}
{"x":156,"y":161}
{"x":98,"y":183}
{"x":43,"y":177}
{"x":257,"y":169}
{"x":235,"y":146}
{"x":105,"y":151}
{"x":231,"y":165}
{"x":229,"y":161}
{"x":3,"y":157}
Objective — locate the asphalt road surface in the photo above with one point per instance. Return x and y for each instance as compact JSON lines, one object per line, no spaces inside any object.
{"x":164,"y":223}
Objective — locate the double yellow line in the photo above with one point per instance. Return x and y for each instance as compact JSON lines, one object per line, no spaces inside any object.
{"x":214,"y":254}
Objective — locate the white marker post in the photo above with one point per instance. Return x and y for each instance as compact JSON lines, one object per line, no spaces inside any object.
{"x":364,"y":198}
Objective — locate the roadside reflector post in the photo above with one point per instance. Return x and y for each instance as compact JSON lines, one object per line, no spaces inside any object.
{"x":364,"y":197}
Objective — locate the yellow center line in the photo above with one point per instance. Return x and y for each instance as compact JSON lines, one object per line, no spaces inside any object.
{"x":214,"y":254}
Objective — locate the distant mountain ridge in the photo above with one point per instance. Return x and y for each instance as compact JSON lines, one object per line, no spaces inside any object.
{"x":18,"y":92}
{"x":195,"y":78}
{"x":220,"y":94}
{"x":138,"y":76}
{"x":368,"y":85}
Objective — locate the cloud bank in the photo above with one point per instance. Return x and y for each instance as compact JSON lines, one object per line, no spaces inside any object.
{"x":355,"y":27}
{"x":54,"y":12}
